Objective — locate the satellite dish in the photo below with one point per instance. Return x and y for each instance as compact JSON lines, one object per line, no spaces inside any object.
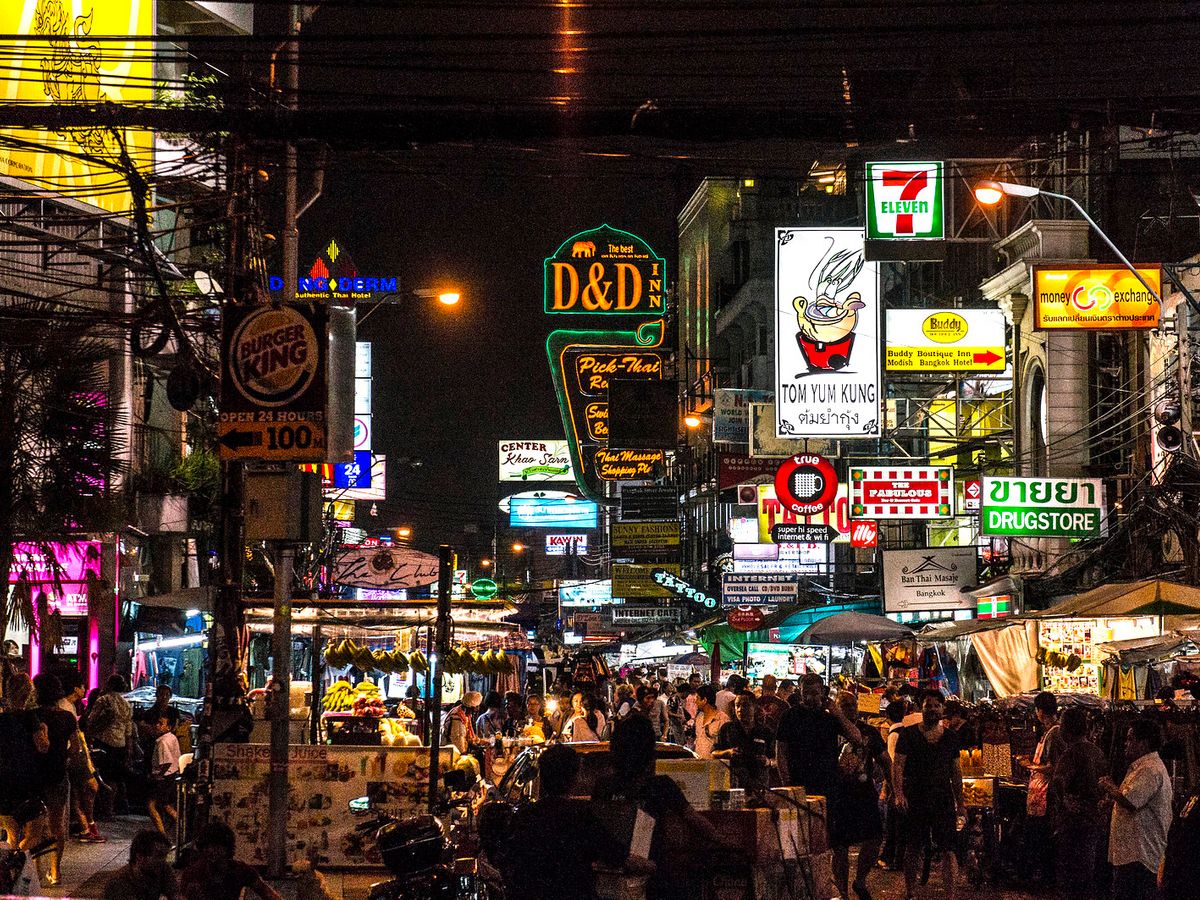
{"x":208,"y":285}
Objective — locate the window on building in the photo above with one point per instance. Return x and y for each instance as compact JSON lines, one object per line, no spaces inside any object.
{"x":1039,"y":425}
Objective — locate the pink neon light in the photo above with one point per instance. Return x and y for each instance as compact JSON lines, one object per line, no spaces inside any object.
{"x":93,"y":657}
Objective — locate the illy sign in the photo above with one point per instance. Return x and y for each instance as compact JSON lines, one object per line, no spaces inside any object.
{"x":904,"y":200}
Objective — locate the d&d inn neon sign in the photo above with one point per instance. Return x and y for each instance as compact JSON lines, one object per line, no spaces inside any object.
{"x":678,"y":586}
{"x":606,"y":272}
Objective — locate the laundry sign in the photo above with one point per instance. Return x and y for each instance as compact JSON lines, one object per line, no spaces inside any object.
{"x":930,"y":579}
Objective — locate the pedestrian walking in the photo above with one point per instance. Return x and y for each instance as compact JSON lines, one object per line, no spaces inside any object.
{"x":708,"y":721}
{"x":892,"y":854}
{"x":928,"y":784}
{"x":55,"y":784}
{"x":856,"y":821}
{"x":81,"y":770}
{"x":770,"y":707}
{"x":746,"y":744}
{"x":806,"y":745}
{"x":164,"y":769}
{"x":1075,"y":814}
{"x":1039,"y":836}
{"x":586,"y":725}
{"x":111,"y":736}
{"x":1141,"y":815}
{"x":650,"y":706}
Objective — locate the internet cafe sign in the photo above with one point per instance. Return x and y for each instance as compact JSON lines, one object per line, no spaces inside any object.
{"x":904,"y":200}
{"x":1043,"y":507}
{"x":605,"y":271}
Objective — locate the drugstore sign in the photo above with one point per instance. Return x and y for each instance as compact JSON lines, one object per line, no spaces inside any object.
{"x":1043,"y":507}
{"x":904,"y":200}
{"x":1108,"y":298}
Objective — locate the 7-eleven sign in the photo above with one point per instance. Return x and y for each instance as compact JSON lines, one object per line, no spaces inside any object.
{"x":904,"y":200}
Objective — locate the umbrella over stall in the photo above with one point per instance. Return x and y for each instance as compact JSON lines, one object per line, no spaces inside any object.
{"x":853,"y":628}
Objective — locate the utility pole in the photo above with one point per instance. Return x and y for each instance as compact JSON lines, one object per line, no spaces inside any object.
{"x":281,"y":624}
{"x":281,"y":692}
{"x":442,"y":645}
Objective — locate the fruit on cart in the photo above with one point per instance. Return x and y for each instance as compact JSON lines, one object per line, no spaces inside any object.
{"x":403,"y":711}
{"x":399,"y":660}
{"x":418,"y":661}
{"x":339,"y":696}
{"x":383,"y":661}
{"x":364,"y":659}
{"x":477,"y":665}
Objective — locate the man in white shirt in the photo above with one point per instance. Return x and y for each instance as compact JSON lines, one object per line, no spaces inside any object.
{"x":1141,"y":815}
{"x":734,"y":685}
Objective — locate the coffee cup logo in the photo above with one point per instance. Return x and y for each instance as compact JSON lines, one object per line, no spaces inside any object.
{"x":274,"y":357}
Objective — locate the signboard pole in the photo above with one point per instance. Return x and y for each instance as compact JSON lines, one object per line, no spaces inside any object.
{"x":442,"y":641}
{"x":281,"y":676}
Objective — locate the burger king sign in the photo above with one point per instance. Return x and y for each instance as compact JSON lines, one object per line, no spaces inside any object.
{"x":273,"y":383}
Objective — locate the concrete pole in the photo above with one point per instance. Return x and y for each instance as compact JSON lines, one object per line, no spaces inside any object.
{"x":281,"y":681}
{"x":442,"y":644}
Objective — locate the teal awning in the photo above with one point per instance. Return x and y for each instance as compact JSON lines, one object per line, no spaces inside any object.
{"x":733,"y":643}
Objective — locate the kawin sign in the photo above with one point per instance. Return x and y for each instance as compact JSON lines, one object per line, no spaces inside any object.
{"x":605,"y":271}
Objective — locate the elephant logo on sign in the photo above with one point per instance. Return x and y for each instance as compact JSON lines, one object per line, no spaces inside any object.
{"x":584,"y":249}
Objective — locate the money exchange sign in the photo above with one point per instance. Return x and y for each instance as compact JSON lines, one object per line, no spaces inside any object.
{"x":1043,"y":507}
{"x":1101,"y":297}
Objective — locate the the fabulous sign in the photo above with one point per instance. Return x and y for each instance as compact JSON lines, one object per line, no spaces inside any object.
{"x":826,"y":335}
{"x":1043,"y":507}
{"x":605,"y":272}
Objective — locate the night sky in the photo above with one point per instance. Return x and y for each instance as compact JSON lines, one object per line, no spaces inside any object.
{"x":715,"y":80}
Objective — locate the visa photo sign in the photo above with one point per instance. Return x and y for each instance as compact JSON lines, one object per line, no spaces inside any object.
{"x":827,"y":353}
{"x":905,"y":201}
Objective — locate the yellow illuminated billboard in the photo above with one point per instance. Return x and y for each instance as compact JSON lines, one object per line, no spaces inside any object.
{"x":1107,"y":298}
{"x":75,"y":67}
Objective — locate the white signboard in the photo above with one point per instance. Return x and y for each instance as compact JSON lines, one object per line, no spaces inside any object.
{"x":731,"y":413}
{"x":945,"y":340}
{"x":932,"y":578}
{"x":826,"y":335}
{"x":389,"y":568}
{"x":362,"y":396}
{"x":808,"y":559}
{"x":535,"y":461}
{"x":362,"y":359}
{"x":561,"y":544}
{"x":586,"y":593}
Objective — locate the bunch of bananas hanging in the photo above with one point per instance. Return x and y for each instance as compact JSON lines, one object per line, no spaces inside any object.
{"x":341,"y":696}
{"x":493,"y":662}
{"x":389,"y":662}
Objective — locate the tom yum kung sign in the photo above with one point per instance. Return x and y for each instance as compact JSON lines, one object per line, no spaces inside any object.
{"x":826,"y":335}
{"x":605,"y":271}
{"x":1043,"y":507}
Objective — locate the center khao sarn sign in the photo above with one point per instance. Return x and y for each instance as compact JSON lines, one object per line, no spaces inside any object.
{"x":605,"y":271}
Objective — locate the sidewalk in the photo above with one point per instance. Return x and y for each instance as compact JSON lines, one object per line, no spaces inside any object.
{"x":86,"y":867}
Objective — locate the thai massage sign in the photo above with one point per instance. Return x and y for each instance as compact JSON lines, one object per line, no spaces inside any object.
{"x":1043,"y":507}
{"x":1101,"y":297}
{"x":605,"y":272}
{"x":904,"y":200}
{"x":826,"y":335}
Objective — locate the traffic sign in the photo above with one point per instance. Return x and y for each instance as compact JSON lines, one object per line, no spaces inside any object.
{"x":802,"y":533}
{"x":864,"y":534}
{"x":806,"y":484}
{"x":273,"y":389}
{"x":972,"y":493}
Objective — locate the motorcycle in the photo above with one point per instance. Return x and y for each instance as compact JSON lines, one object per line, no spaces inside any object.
{"x":422,"y":853}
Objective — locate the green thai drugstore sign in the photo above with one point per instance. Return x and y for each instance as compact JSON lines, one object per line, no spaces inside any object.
{"x":1043,"y":507}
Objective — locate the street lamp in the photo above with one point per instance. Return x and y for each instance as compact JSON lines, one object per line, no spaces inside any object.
{"x":989,"y":193}
{"x":691,"y":420}
{"x":518,"y":547}
{"x":485,"y":563}
{"x":447,"y":298}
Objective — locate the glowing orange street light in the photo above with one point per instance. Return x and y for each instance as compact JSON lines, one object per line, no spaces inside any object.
{"x":691,"y":420}
{"x":404,"y":532}
{"x":449,"y":298}
{"x":485,"y":563}
{"x":518,"y":547}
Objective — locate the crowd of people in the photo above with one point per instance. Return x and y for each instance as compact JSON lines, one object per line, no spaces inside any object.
{"x":1094,"y":827}
{"x":65,"y":757}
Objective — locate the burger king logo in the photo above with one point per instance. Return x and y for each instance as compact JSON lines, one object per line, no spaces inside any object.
{"x":274,"y":356}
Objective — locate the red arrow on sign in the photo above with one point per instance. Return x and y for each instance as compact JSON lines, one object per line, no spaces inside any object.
{"x":987,"y":358}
